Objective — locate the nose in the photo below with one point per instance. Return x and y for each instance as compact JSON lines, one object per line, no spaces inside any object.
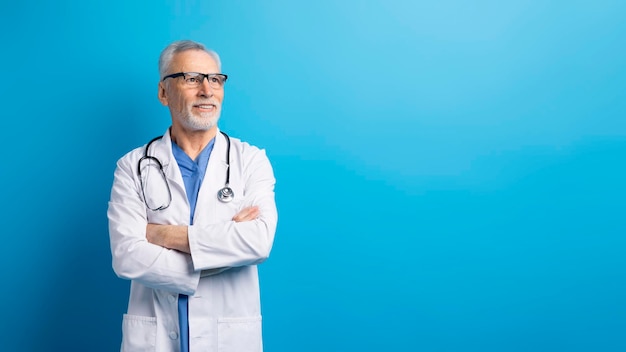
{"x":205,"y":88}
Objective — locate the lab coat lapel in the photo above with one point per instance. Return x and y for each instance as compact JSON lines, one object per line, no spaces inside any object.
{"x":163,"y":151}
{"x":214,"y":178}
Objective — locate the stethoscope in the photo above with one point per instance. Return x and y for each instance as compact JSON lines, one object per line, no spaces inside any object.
{"x":224,"y":195}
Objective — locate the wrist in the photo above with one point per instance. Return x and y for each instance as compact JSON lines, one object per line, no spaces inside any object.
{"x":177,"y":239}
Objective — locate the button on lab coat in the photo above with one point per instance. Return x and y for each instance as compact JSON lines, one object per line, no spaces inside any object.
{"x":220,"y":276}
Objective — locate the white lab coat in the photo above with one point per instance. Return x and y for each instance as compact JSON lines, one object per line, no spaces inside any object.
{"x":224,"y":308}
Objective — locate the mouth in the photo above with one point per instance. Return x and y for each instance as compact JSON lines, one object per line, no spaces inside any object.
{"x":205,"y":107}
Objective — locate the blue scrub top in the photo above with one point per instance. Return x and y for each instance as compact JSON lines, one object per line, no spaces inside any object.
{"x":193,"y":174}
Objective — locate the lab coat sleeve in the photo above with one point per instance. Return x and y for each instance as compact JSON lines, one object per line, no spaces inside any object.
{"x":235,"y":244}
{"x":134,"y":258}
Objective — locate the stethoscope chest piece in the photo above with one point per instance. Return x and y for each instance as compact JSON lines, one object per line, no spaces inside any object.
{"x":225,"y":194}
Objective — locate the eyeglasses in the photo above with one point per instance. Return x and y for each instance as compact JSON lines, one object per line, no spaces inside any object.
{"x":195,"y":79}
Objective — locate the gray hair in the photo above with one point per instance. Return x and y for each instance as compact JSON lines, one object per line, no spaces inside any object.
{"x":167,"y":55}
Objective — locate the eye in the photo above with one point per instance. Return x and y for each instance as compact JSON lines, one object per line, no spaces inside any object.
{"x":193,"y":78}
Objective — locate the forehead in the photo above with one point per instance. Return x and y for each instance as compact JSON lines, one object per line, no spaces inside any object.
{"x":193,"y":61}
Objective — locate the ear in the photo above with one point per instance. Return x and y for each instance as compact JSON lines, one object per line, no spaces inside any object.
{"x":162,"y":94}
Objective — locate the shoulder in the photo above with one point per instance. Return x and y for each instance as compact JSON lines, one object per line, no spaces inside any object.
{"x":132,"y":156}
{"x":128,"y":163}
{"x":157,"y":145}
{"x":251,"y":158}
{"x":246,"y":149}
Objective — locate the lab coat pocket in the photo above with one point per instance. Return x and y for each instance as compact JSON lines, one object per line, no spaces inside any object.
{"x":239,"y":334}
{"x":138,"y":333}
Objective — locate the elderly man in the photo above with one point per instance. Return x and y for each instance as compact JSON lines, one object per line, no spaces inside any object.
{"x":191,"y":215}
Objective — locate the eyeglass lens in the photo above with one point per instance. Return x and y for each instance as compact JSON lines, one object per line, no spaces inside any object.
{"x":194,"y":79}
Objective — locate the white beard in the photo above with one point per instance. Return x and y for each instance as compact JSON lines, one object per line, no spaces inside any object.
{"x":200,"y":123}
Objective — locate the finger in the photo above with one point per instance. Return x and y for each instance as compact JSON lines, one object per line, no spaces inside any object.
{"x":240,"y":216}
{"x":252,"y":214}
{"x":249,"y":210}
{"x":247,"y":214}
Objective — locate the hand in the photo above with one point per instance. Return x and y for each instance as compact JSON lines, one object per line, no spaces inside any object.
{"x":247,"y":214}
{"x":155,"y":234}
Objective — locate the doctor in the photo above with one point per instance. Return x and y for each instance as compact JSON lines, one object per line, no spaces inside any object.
{"x":191,"y":216}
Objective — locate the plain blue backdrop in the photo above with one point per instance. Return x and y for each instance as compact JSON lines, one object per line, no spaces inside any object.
{"x":450,"y":173}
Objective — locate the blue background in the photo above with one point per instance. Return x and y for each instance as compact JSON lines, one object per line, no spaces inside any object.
{"x":450,"y":173}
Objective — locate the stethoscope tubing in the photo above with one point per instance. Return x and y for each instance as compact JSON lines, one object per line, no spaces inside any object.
{"x":225,"y":194}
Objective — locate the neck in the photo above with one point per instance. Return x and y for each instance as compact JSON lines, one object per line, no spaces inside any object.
{"x":192,"y":142}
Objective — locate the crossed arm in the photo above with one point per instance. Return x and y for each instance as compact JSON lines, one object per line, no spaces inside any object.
{"x":174,"y":257}
{"x":175,"y":236}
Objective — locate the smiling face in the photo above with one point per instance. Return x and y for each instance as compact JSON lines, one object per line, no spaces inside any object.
{"x":192,"y":109}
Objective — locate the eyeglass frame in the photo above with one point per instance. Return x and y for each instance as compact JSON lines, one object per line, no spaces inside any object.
{"x":200,"y":74}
